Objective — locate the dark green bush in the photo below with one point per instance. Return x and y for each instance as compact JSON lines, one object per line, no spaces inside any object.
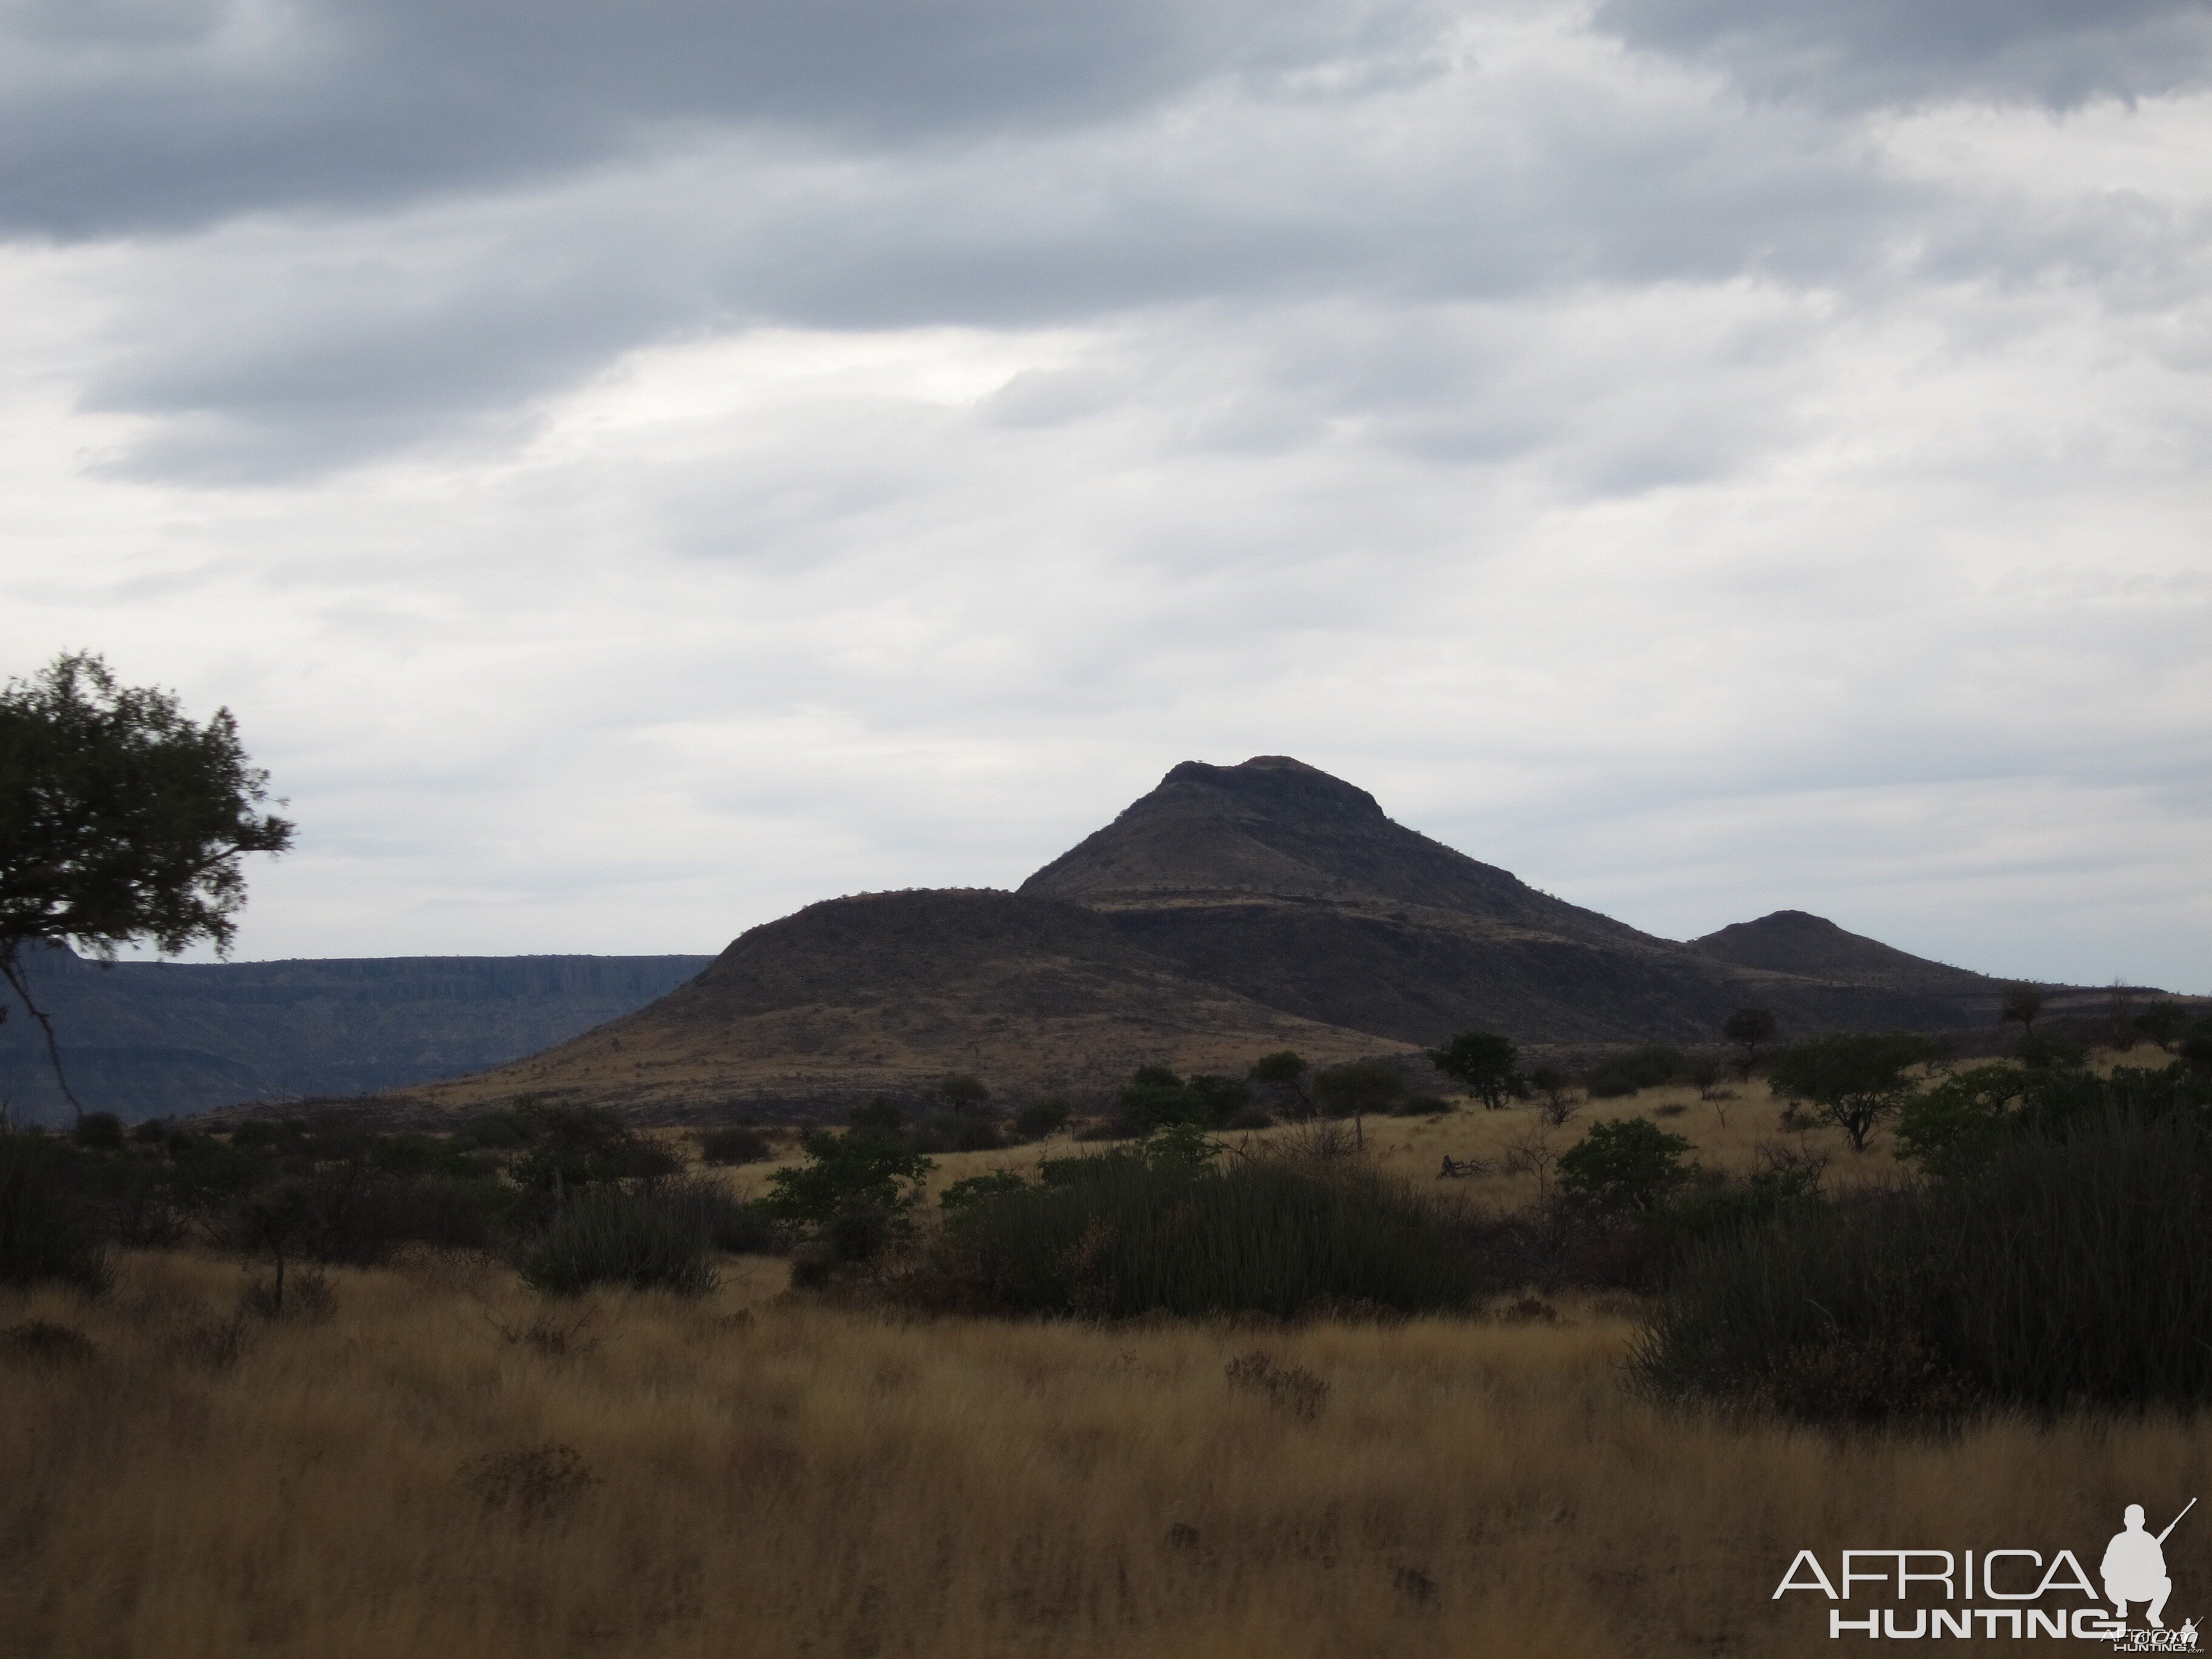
{"x":1651,"y":1066}
{"x":1126,"y":1233}
{"x":731,"y":1223}
{"x":950,"y":1132}
{"x":495,"y":1130}
{"x":1155,"y":1097}
{"x":45,"y":1232}
{"x":733,"y":1145}
{"x":152,"y":1133}
{"x":2065,"y":1270}
{"x":1630,"y":1163}
{"x":575,"y":1147}
{"x":1359,"y":1087}
{"x":645,"y":1236}
{"x":975,"y":1189}
{"x":1041,"y":1118}
{"x":839,"y":1167}
{"x":255,"y":1131}
{"x":1953,"y":1128}
{"x":1218,"y":1097}
{"x":859,"y":1230}
{"x":882,"y":1115}
{"x":100,"y":1131}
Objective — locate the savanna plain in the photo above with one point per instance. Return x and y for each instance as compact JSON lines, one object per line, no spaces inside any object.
{"x":430,"y":1458}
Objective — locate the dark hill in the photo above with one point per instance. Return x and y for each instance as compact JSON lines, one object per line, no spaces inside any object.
{"x":889,"y":991}
{"x":1795,"y":942}
{"x":1275,"y":828}
{"x":1232,"y":910}
{"x":1294,"y":889}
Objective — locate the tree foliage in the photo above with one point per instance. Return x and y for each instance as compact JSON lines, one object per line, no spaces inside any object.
{"x":1481,"y":1062}
{"x":1748,"y":1029}
{"x":1630,"y":1163}
{"x":2022,"y":1006}
{"x":1855,"y":1080}
{"x":121,"y":820}
{"x":871,"y":1168}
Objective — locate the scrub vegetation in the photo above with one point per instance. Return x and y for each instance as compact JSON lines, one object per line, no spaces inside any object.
{"x":550,"y":1385}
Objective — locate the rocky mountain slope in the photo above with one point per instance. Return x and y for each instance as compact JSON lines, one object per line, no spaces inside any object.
{"x":1231,"y":911}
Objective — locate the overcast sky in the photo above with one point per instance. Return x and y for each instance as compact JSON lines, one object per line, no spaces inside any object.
{"x":635,"y":469}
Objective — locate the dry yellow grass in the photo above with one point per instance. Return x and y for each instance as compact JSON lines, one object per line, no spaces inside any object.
{"x":1414,"y":1147}
{"x":1727,"y":1135}
{"x":768,"y":1479}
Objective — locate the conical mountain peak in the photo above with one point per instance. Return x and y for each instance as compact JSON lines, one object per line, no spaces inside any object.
{"x":1275,"y":827}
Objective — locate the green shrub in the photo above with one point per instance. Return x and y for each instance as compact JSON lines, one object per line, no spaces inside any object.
{"x":1359,"y":1087}
{"x":1041,"y":1118}
{"x":731,"y":1224}
{"x":496,"y":1130}
{"x":733,"y":1145}
{"x":575,"y":1146}
{"x":1155,"y":1097}
{"x":1630,"y":1163}
{"x":45,"y":1232}
{"x":255,"y":1131}
{"x":1651,"y":1066}
{"x":1954,"y":1127}
{"x":1220,"y":1098}
{"x":646,"y":1237}
{"x":881,"y":1115}
{"x":975,"y":1188}
{"x":962,"y":1092}
{"x":1126,"y":1233}
{"x":950,"y":1132}
{"x":101,"y":1132}
{"x":2066,"y":1270}
{"x":839,"y":1167}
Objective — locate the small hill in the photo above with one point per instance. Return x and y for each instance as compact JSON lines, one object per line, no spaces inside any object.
{"x":1796,"y":942}
{"x":891,"y":991}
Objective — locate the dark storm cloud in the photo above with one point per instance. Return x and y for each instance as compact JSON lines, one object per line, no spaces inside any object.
{"x":1848,"y":54}
{"x":125,"y":116}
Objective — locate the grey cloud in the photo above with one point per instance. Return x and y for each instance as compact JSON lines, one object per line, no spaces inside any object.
{"x":325,"y":340}
{"x":126,"y":116}
{"x":1865,"y":53}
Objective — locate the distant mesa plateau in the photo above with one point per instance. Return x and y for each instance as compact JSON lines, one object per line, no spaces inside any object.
{"x":1233,"y":911}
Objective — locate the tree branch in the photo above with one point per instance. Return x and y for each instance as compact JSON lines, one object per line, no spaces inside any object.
{"x":12,"y":970}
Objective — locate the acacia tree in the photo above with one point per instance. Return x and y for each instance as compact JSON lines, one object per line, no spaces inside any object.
{"x":121,"y":821}
{"x":1747,"y":1028}
{"x":1357,"y":1087}
{"x":1481,"y":1062}
{"x":1856,"y":1079}
{"x":2022,"y":1006}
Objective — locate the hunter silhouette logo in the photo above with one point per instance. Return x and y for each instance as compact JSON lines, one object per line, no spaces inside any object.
{"x":2135,"y":1566}
{"x":2009,"y":1592}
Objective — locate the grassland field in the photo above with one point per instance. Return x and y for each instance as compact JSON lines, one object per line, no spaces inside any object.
{"x":445,"y":1464}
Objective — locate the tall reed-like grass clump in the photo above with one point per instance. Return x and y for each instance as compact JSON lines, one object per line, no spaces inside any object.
{"x":1121,"y":1235}
{"x":649,"y":1236}
{"x":2069,"y":1270}
{"x":45,"y":1233}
